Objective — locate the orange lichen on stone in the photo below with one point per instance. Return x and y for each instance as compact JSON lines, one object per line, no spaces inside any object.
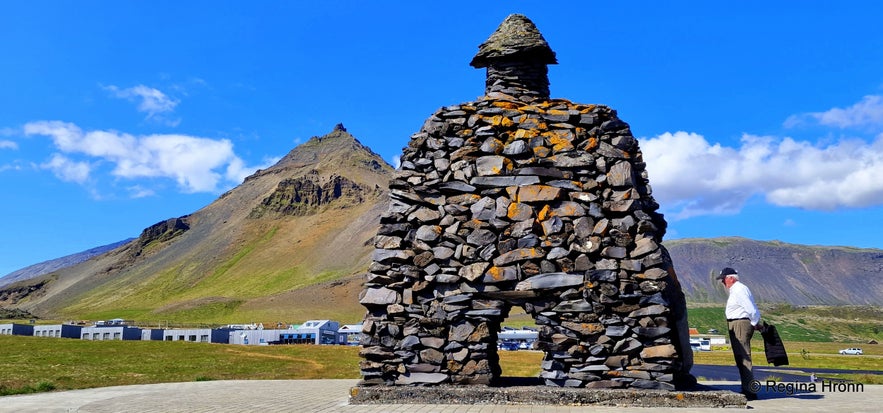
{"x":505,"y":105}
{"x":591,"y":144}
{"x":541,"y":151}
{"x":537,"y":193}
{"x":531,"y":122}
{"x":525,"y":133}
{"x":568,"y":209}
{"x":519,"y":212}
{"x":560,"y":140}
{"x":558,"y":112}
{"x":531,"y":253}
{"x":544,"y":213}
{"x":529,"y":108}
{"x":496,"y":273}
{"x":500,"y":120}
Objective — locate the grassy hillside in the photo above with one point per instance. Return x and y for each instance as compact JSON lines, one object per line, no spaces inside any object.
{"x":268,"y":263}
{"x":805,"y":323}
{"x":778,"y":272}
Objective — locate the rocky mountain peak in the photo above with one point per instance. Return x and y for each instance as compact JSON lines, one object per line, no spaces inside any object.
{"x":335,"y":152}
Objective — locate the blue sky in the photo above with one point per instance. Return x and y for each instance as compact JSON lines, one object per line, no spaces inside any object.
{"x":757,"y":120}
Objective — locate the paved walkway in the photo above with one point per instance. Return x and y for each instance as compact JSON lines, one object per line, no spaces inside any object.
{"x":332,"y":396}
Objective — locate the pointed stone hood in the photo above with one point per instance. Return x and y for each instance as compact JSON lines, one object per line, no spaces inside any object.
{"x":516,"y":57}
{"x":517,"y":39}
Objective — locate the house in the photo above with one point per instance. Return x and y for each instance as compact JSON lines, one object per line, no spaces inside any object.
{"x":110,"y":333}
{"x":517,"y":339}
{"x":200,"y":335}
{"x":313,"y":332}
{"x":16,"y":329}
{"x":57,"y":330}
{"x":252,"y":337}
{"x":349,"y":334}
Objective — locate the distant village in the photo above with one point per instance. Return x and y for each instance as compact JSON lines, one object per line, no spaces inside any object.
{"x":320,"y":332}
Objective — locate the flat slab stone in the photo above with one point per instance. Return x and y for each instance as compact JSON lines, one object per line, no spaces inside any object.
{"x":543,"y":395}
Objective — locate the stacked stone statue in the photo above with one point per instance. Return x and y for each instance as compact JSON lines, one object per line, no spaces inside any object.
{"x":520,"y":199}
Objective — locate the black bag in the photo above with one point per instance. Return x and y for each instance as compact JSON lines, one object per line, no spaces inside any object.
{"x":772,"y":346}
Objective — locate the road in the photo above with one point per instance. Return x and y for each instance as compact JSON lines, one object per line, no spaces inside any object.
{"x":782,"y":373}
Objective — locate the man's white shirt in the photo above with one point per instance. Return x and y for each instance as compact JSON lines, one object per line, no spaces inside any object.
{"x":740,"y":304}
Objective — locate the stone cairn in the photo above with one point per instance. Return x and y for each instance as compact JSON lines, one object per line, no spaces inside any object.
{"x":519,"y":199}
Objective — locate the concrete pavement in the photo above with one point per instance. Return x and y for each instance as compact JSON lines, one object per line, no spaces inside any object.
{"x":332,"y":396}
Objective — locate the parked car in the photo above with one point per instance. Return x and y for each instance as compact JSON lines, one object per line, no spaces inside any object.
{"x":852,"y":351}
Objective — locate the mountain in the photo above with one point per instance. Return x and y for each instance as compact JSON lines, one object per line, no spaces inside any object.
{"x":778,"y":272}
{"x":49,"y":266}
{"x":260,"y":251}
{"x":292,"y":242}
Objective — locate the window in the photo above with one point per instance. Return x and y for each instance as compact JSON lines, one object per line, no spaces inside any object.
{"x":106,"y":336}
{"x":85,"y":336}
{"x":192,"y":337}
{"x":96,"y":336}
{"x":203,"y":338}
{"x":169,"y":338}
{"x":117,"y":336}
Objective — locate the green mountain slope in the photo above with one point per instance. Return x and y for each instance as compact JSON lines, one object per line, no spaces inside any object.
{"x":281,"y":230}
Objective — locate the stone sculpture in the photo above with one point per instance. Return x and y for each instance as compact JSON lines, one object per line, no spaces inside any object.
{"x":520,"y":199}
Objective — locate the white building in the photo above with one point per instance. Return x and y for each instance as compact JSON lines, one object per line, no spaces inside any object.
{"x":313,"y":332}
{"x":252,"y":337}
{"x":349,"y":334}
{"x":58,"y":330}
{"x":16,"y":329}
{"x":110,"y":333}
{"x":197,"y":335}
{"x":517,"y":339}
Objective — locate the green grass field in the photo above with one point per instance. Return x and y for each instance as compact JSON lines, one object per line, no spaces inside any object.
{"x":29,"y":364}
{"x":812,"y":335}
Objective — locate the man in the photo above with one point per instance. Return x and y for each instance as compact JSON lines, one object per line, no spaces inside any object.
{"x":743,"y":318}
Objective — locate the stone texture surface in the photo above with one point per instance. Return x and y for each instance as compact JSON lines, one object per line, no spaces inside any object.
{"x":535,"y":395}
{"x":518,"y":199}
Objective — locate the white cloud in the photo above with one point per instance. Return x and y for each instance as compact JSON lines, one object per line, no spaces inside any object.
{"x":151,"y":101}
{"x":4,"y":144}
{"x":196,"y":164}
{"x":138,"y":191}
{"x":10,"y":167}
{"x":867,"y":112}
{"x":68,"y":170}
{"x":692,"y":177}
{"x":396,"y":161}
